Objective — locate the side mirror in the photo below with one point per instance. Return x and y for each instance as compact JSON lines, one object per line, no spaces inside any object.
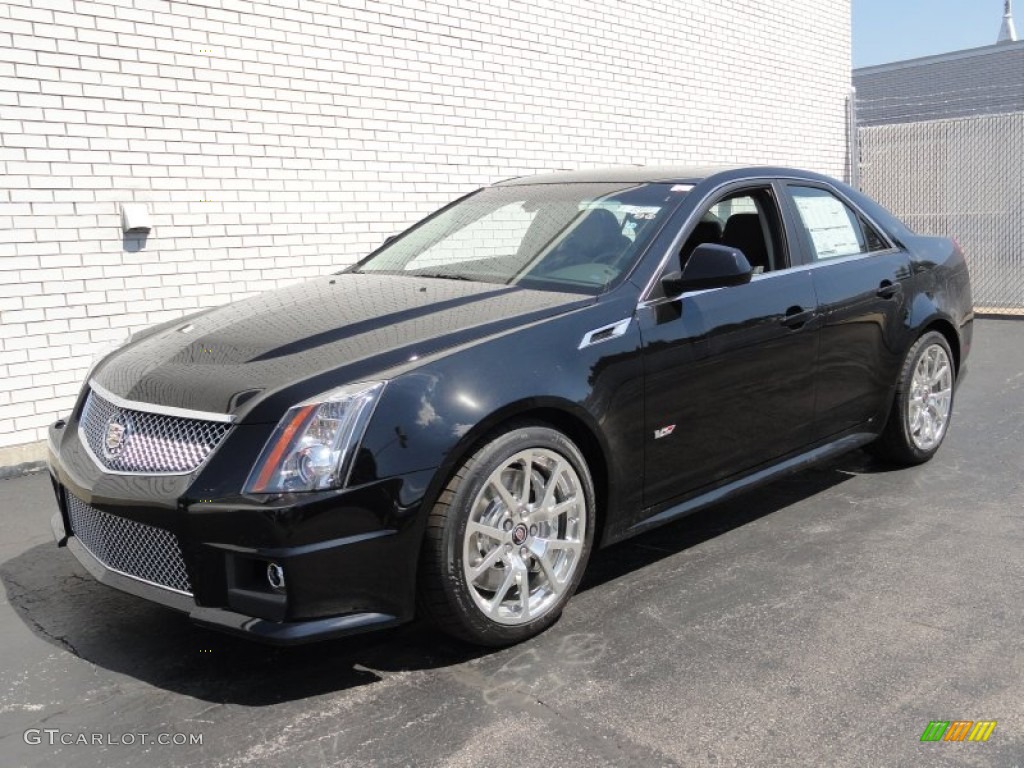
{"x":388,"y":240}
{"x":709,"y":266}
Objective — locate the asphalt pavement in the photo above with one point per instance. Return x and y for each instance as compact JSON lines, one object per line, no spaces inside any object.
{"x":824,"y":620}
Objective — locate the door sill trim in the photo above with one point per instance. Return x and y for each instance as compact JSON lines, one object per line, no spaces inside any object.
{"x":745,"y":483}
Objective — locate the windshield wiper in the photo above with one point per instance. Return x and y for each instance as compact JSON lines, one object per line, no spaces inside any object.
{"x":446,"y":276}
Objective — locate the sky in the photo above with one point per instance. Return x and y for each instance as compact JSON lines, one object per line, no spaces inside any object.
{"x":893,"y":30}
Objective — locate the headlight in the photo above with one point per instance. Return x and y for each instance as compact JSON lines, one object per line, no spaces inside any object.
{"x":313,"y":445}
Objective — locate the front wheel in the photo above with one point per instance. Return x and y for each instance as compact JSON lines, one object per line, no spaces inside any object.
{"x":923,"y":404}
{"x":508,"y":539}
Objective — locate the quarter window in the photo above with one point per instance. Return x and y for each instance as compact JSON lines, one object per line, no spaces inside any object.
{"x":833,"y":229}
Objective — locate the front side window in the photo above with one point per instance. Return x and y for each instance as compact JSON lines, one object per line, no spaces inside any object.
{"x":572,"y":237}
{"x":748,"y":221}
{"x":832,"y":228}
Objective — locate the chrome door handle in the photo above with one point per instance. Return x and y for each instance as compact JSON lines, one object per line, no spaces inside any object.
{"x":888,"y":289}
{"x":797,"y":317}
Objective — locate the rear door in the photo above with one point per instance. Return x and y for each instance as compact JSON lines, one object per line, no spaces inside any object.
{"x":729,"y":372}
{"x":860,"y":278}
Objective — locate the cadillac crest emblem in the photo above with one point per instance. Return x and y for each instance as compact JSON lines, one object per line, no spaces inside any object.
{"x":113,"y":441}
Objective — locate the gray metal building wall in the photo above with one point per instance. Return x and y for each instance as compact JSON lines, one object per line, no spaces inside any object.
{"x":961,"y":178}
{"x":986,"y":80}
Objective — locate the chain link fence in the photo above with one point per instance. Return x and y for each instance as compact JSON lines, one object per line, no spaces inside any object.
{"x":961,"y":178}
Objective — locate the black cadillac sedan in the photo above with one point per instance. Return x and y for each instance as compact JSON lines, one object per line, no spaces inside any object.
{"x":551,"y":364}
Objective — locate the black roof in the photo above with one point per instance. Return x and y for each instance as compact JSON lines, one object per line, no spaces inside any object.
{"x":639,"y":174}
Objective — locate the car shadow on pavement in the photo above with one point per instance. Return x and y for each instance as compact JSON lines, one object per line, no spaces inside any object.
{"x":57,"y":599}
{"x":705,"y":524}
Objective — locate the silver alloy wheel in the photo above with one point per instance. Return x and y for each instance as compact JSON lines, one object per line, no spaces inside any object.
{"x":525,"y":536}
{"x":931,"y":397}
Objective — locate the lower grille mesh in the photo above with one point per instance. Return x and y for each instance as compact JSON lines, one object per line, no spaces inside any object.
{"x":141,"y":551}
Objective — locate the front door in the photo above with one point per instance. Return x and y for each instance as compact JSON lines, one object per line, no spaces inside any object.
{"x":730,"y":372}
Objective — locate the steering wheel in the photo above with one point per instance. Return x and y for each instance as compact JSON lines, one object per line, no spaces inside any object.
{"x":559,"y":258}
{"x":592,"y":273}
{"x":620,"y":259}
{"x":610,"y":272}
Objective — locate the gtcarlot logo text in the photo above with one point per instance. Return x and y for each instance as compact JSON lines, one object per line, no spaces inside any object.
{"x":55,"y":736}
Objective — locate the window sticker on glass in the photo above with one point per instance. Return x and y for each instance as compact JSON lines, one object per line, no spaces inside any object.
{"x":641,"y":212}
{"x":638,"y":212}
{"x":828,"y":221}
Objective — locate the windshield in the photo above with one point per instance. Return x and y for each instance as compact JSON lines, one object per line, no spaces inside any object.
{"x":568,"y":237}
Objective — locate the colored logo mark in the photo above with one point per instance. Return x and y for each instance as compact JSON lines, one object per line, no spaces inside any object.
{"x":958,"y":730}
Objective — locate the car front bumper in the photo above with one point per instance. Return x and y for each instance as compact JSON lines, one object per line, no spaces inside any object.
{"x":349,"y":557}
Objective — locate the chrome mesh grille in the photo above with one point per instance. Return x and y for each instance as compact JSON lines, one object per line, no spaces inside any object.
{"x":146,"y":442}
{"x":141,"y":551}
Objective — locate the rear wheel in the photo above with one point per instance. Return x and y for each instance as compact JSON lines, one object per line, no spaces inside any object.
{"x":923,"y":404}
{"x":509,"y":538}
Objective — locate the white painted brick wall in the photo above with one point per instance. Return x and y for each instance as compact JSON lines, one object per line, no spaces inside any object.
{"x":279,"y":140}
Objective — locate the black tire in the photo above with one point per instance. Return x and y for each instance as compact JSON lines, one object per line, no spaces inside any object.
{"x":445,"y":596}
{"x":896,"y":443}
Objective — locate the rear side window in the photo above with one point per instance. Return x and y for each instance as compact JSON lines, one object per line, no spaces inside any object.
{"x":833,"y":229}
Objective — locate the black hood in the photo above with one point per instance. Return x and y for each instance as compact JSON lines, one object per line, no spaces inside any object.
{"x":356,"y":325}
